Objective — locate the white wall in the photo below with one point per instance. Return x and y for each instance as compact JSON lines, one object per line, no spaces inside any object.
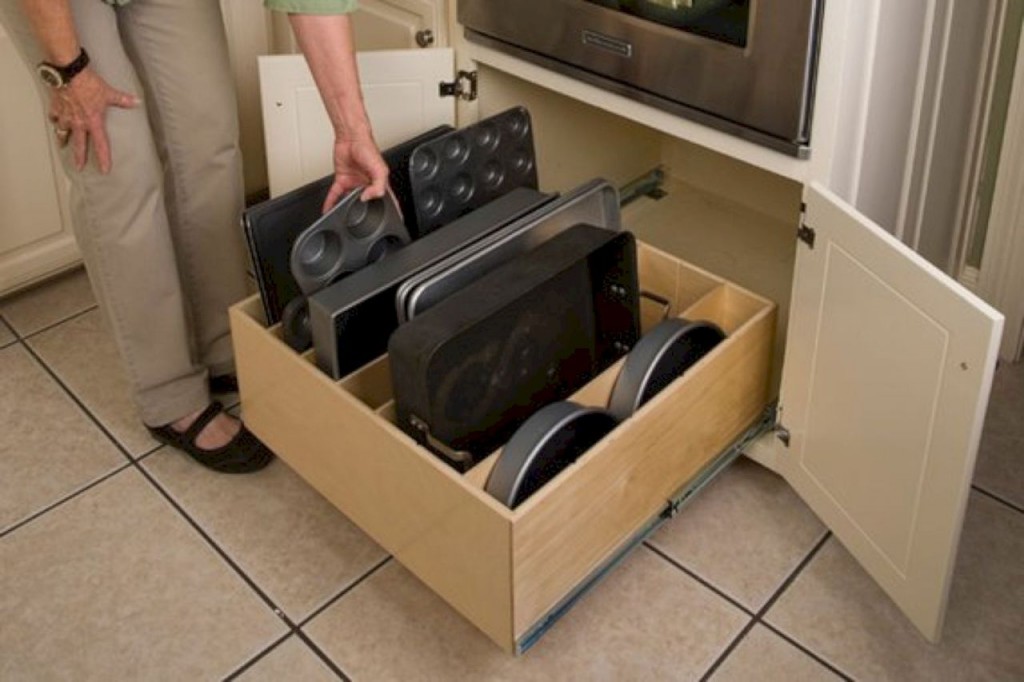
{"x":927,"y":62}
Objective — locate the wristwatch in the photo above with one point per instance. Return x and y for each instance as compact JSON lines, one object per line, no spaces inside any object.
{"x":59,"y":76}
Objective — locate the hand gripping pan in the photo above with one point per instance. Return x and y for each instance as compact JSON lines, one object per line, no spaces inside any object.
{"x":352,"y":234}
{"x":272,"y":226}
{"x":661,"y":355}
{"x":549,"y":441}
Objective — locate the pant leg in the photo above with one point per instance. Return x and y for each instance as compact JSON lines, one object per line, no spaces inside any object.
{"x":123,"y":231}
{"x":181,"y":55}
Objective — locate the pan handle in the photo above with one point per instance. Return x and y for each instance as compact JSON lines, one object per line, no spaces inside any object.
{"x":666,"y":305}
{"x":460,"y":459}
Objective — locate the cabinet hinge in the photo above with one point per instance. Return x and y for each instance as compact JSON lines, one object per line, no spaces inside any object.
{"x":782,"y":433}
{"x":806,"y":235}
{"x":463,"y":87}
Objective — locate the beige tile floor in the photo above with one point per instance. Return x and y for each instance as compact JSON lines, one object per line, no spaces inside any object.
{"x":120,"y":559}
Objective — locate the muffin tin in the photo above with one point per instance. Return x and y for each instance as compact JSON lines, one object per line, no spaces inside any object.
{"x":351,"y":235}
{"x":464,"y":169}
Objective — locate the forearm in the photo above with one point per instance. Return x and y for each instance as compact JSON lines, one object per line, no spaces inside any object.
{"x":326,"y":41}
{"x":54,"y":28}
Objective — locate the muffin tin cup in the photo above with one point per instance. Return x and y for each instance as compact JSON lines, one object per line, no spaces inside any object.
{"x":351,"y":235}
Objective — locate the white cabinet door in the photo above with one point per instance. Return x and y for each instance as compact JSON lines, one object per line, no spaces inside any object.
{"x":401,"y":91}
{"x":35,"y":232}
{"x":247,"y":26}
{"x":382,"y":25}
{"x":886,"y":379}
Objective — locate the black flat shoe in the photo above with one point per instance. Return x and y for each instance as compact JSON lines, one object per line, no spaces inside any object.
{"x":225,"y":383}
{"x":242,"y":454}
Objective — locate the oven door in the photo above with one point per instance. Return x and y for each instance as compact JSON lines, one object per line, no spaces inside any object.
{"x":744,"y":66}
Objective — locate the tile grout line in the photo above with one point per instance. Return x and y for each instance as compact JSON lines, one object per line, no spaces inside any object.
{"x":215,"y":547}
{"x":258,"y":657}
{"x":62,"y":501}
{"x":52,"y":325}
{"x":997,"y":498}
{"x":74,"y":398}
{"x":135,"y":463}
{"x":4,"y":324}
{"x":234,"y":675}
{"x":130,"y":460}
{"x":758,"y":617}
{"x":323,"y":656}
{"x":302,"y":635}
{"x":717,"y":590}
{"x":811,"y":654}
{"x":344,"y":591}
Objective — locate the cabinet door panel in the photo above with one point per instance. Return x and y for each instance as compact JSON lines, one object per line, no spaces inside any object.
{"x":400,"y":89}
{"x":887,"y":374}
{"x":35,"y":234}
{"x":393,"y":24}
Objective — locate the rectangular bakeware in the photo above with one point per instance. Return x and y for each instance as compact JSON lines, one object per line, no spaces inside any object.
{"x":470,"y":370}
{"x":352,"y":319}
{"x":594,"y":203}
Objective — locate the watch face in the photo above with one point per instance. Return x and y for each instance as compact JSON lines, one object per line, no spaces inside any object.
{"x":50,"y":76}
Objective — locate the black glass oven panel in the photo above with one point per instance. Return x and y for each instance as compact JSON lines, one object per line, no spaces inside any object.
{"x":727,"y":21}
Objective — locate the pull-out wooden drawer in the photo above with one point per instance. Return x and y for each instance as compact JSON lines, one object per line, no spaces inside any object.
{"x":510,"y":572}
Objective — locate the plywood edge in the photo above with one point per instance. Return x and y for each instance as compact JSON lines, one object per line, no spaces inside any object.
{"x":452,"y":536}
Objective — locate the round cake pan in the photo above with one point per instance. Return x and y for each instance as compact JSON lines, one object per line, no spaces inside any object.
{"x":549,"y":441}
{"x":661,"y":356}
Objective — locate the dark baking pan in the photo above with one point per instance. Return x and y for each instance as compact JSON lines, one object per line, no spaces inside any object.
{"x":346,"y":238}
{"x":593,"y":203}
{"x":272,"y":226}
{"x":549,"y":441}
{"x":352,"y":319}
{"x":660,"y":357}
{"x":465,"y":169}
{"x":470,"y":370}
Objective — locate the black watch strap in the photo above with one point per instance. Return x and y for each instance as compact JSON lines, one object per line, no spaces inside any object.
{"x":59,"y":76}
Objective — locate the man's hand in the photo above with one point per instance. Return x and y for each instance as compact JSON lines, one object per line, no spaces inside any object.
{"x":356,"y":163}
{"x":78,"y":112}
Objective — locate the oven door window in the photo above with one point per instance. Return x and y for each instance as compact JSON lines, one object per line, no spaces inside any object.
{"x":727,"y":21}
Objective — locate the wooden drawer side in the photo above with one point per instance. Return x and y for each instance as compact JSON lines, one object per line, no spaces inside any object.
{"x":577,"y":522}
{"x":448,"y":534}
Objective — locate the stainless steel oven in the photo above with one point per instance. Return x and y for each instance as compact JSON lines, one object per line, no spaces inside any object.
{"x":743,"y":66}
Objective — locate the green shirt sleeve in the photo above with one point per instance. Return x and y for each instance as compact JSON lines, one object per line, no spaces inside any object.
{"x":312,"y":6}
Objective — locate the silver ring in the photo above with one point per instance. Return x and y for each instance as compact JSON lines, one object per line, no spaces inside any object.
{"x":61,"y":132}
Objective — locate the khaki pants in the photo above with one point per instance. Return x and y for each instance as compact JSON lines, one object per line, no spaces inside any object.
{"x":160,"y":234}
